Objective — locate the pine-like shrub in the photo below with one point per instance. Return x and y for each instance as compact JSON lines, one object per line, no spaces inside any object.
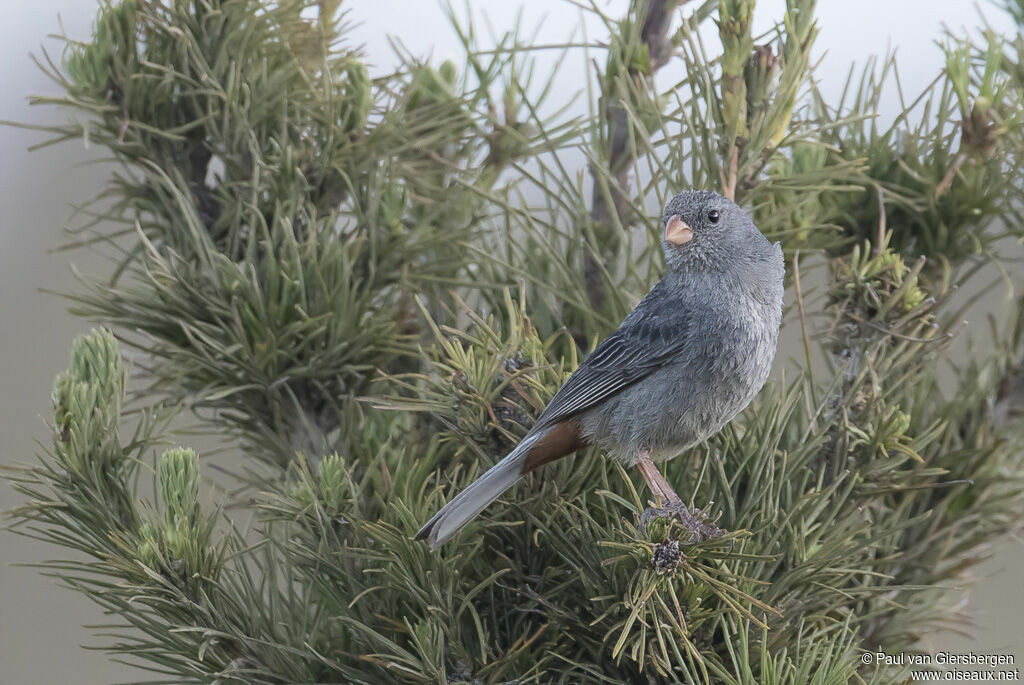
{"x":372,"y":285}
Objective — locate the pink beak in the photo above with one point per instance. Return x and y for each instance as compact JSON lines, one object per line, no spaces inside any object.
{"x":677,"y":231}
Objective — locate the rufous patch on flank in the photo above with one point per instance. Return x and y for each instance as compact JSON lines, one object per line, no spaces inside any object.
{"x":563,"y":439}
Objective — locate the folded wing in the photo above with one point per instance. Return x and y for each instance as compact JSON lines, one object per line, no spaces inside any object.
{"x":627,"y":356}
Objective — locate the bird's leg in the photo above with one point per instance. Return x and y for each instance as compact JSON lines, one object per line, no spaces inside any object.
{"x":673,"y":504}
{"x":660,"y":488}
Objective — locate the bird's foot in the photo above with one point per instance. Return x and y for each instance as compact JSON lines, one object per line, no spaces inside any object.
{"x":690,"y":519}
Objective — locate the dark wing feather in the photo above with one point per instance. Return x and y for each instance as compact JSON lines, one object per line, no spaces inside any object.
{"x":627,"y":356}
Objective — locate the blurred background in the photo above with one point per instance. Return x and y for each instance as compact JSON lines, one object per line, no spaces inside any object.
{"x":42,"y":626}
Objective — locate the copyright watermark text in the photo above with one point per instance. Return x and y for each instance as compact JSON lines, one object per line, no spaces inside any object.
{"x":949,"y":666}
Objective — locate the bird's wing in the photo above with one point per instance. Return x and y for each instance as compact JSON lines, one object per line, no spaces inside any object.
{"x":627,"y":356}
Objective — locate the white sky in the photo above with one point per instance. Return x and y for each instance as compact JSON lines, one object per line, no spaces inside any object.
{"x":850,"y":30}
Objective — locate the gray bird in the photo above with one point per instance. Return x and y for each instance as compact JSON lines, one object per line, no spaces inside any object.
{"x":691,"y":355}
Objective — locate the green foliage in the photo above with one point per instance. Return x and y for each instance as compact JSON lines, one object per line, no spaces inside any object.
{"x":344,"y":274}
{"x":942,"y":178}
{"x":735,"y":17}
{"x":87,"y":406}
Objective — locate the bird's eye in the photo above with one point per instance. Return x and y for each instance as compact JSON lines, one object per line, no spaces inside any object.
{"x":714,"y":216}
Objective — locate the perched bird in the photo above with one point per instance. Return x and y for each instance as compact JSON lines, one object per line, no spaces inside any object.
{"x":691,"y":355}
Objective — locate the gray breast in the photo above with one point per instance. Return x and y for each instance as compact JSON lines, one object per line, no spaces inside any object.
{"x":725,"y":363}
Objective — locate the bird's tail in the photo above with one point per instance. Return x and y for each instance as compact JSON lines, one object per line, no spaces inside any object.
{"x":481,"y":492}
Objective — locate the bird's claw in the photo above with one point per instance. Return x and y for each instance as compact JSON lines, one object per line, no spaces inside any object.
{"x":690,"y":519}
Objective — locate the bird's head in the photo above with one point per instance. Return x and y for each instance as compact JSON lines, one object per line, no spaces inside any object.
{"x":703,"y":230}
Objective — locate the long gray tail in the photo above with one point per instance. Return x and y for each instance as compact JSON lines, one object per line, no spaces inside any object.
{"x":481,"y":492}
